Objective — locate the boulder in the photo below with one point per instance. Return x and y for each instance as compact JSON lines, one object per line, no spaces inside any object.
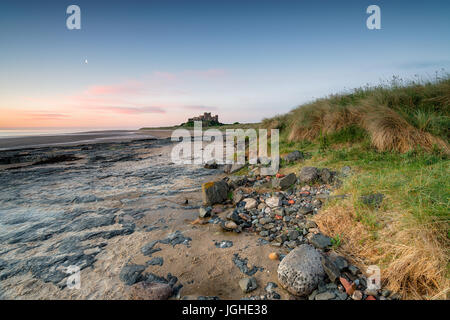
{"x":301,"y":270}
{"x":285,"y":181}
{"x":294,"y":156}
{"x":150,"y":291}
{"x":309,"y":174}
{"x":214,"y":192}
{"x":330,"y":269}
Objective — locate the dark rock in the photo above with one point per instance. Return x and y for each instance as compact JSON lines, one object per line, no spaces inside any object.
{"x":242,"y":265}
{"x":214,"y":192}
{"x":330,"y":269}
{"x":285,"y":181}
{"x":130,"y":274}
{"x":320,"y":241}
{"x":372,"y":200}
{"x":157,"y":261}
{"x":224,"y":244}
{"x":294,"y":156}
{"x":308,"y":174}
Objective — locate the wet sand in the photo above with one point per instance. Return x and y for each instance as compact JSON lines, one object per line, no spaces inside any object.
{"x":100,"y":210}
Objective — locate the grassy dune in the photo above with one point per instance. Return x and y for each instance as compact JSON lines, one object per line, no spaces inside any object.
{"x":396,"y":139}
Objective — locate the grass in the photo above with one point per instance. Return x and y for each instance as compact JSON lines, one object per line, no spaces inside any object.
{"x":395,"y":138}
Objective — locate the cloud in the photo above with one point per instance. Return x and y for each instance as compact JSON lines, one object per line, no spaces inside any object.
{"x":48,"y":116}
{"x":129,"y":110}
{"x":134,"y":87}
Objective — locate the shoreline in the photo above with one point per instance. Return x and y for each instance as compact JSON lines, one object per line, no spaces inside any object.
{"x":79,"y":138}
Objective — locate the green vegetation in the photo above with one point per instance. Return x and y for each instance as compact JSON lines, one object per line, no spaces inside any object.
{"x":395,"y":137}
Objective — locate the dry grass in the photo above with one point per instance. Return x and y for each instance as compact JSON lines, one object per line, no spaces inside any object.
{"x":410,"y":259}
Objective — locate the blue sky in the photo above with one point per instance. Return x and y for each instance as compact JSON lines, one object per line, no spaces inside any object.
{"x":154,"y":63}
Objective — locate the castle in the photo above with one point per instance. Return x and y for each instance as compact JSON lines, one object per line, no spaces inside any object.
{"x":206,"y":118}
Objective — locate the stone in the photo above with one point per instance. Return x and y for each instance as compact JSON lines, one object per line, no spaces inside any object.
{"x":214,"y":192}
{"x":346,"y":171}
{"x":330,"y":269}
{"x":349,"y":287}
{"x":310,"y":224}
{"x":308,"y":174}
{"x":237,"y":196}
{"x":248,"y":284}
{"x":211,"y":164}
{"x":250,"y":203}
{"x":353,"y":270}
{"x":270,"y":287}
{"x":320,"y":241}
{"x":157,"y":261}
{"x":301,"y":270}
{"x":284,"y":182}
{"x":273,"y":202}
{"x":228,"y":225}
{"x":372,"y":200}
{"x":341,"y":263}
{"x":327,"y":295}
{"x":224,"y":244}
{"x":148,"y":249}
{"x":150,"y":291}
{"x":265,"y":220}
{"x":325,"y":175}
{"x":293,"y":235}
{"x":274,"y":256}
{"x":357,"y":295}
{"x":130,"y":274}
{"x":204,"y":212}
{"x":294,"y":156}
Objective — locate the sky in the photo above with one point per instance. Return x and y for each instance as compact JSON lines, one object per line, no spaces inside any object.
{"x":156,"y":63}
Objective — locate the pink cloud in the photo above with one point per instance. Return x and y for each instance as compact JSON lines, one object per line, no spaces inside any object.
{"x":165,"y":75}
{"x":200,"y":108}
{"x":134,"y":87}
{"x":129,"y":110}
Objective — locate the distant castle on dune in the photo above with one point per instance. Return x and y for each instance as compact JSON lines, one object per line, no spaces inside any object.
{"x":206,"y":118}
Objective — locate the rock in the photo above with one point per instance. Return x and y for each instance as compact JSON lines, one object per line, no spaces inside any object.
{"x":372,"y":200}
{"x":294,"y":156}
{"x":237,"y":196}
{"x":274,"y":256}
{"x":150,"y":291}
{"x":265,"y":220}
{"x":310,"y":224}
{"x":301,"y":270}
{"x":224,"y":244}
{"x":248,"y":284}
{"x":349,"y":287}
{"x":148,"y":250}
{"x":346,"y":171}
{"x":250,"y":203}
{"x":228,"y":225}
{"x":270,"y":287}
{"x":327,"y":295}
{"x":325,"y":175}
{"x":157,"y":261}
{"x":211,"y":164}
{"x":308,"y":174}
{"x":320,"y":241}
{"x":330,"y":269}
{"x":232,"y":168}
{"x":130,"y":274}
{"x":353,"y":270}
{"x":273,"y":202}
{"x":204,"y":212}
{"x":357,"y":295}
{"x":214,"y":192}
{"x":264,"y":233}
{"x":293,"y":235}
{"x":237,"y":181}
{"x":341,"y":263}
{"x":284,"y":182}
